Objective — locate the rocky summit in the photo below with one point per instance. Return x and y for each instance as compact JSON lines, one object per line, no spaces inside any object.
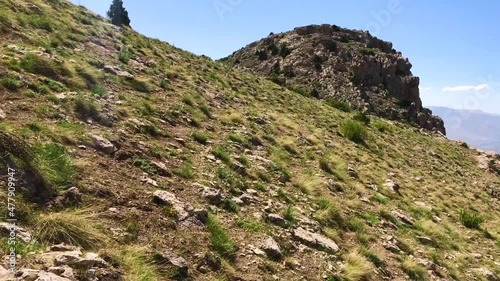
{"x":125,"y":158}
{"x":327,"y":61}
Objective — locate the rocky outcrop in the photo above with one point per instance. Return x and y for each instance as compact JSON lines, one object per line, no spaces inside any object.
{"x":348,"y":65}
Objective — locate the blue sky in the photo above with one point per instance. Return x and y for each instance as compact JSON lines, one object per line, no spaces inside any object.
{"x":453,"y":45}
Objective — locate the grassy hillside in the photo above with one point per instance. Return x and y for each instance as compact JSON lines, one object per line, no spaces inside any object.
{"x":169,"y":120}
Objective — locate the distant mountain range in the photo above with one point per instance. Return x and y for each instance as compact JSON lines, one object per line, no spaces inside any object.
{"x":477,"y":128}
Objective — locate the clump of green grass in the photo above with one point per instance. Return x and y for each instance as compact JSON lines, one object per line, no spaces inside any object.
{"x":362,"y":117}
{"x":186,"y":171}
{"x":40,"y":22}
{"x":86,"y":108}
{"x":357,"y":267}
{"x":144,"y":165}
{"x":325,"y":165}
{"x":354,"y":131}
{"x":55,"y":165}
{"x":200,"y":137}
{"x":414,"y":270}
{"x":98,"y":90}
{"x":74,"y":227}
{"x":331,"y":215}
{"x":164,"y":84}
{"x":140,"y":86}
{"x":470,"y":220}
{"x":54,"y":85}
{"x":338,"y":104}
{"x":251,"y":225}
{"x":231,"y":206}
{"x":222,"y":154}
{"x":39,"y":88}
{"x":43,"y":66}
{"x":382,"y":126}
{"x":11,"y":83}
{"x":368,"y":51}
{"x":134,"y":262}
{"x":220,"y":239}
{"x":188,"y":100}
{"x":238,"y":138}
{"x":290,"y":216}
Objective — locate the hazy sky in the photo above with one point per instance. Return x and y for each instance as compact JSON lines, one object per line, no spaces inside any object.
{"x":453,"y":45}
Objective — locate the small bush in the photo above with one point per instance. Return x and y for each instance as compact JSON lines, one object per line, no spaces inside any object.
{"x":284,"y":50}
{"x":124,"y":56}
{"x":338,"y":104}
{"x":200,"y":137}
{"x":368,"y":51}
{"x":12,"y":84}
{"x":75,"y":227}
{"x":362,"y":117}
{"x":318,"y":62}
{"x":261,"y":54}
{"x":470,"y":220}
{"x":353,"y":130}
{"x":404,"y":103}
{"x":220,"y":240}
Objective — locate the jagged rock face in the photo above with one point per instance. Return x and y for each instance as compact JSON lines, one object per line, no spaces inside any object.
{"x":348,"y":65}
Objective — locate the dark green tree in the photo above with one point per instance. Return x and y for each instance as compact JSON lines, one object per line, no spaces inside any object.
{"x":118,"y":14}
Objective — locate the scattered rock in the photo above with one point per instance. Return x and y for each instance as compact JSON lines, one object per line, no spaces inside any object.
{"x":315,"y":240}
{"x":436,"y":219}
{"x":271,"y":248}
{"x":103,"y":144}
{"x":352,"y":172}
{"x":488,"y":274}
{"x":179,"y":264}
{"x":214,"y":196}
{"x":116,"y":70}
{"x":161,"y":168}
{"x":276,"y":219}
{"x":2,"y":115}
{"x":404,"y":218}
{"x":201,"y":215}
{"x":427,"y":241}
{"x":21,"y":233}
{"x":391,"y":184}
{"x":163,"y":197}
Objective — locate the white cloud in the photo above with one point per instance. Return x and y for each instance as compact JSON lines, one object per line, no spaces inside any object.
{"x":426,"y":89}
{"x":466,"y":88}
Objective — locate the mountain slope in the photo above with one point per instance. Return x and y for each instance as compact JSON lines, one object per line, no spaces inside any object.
{"x":173,"y":166}
{"x":327,"y":61}
{"x":477,"y":128}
